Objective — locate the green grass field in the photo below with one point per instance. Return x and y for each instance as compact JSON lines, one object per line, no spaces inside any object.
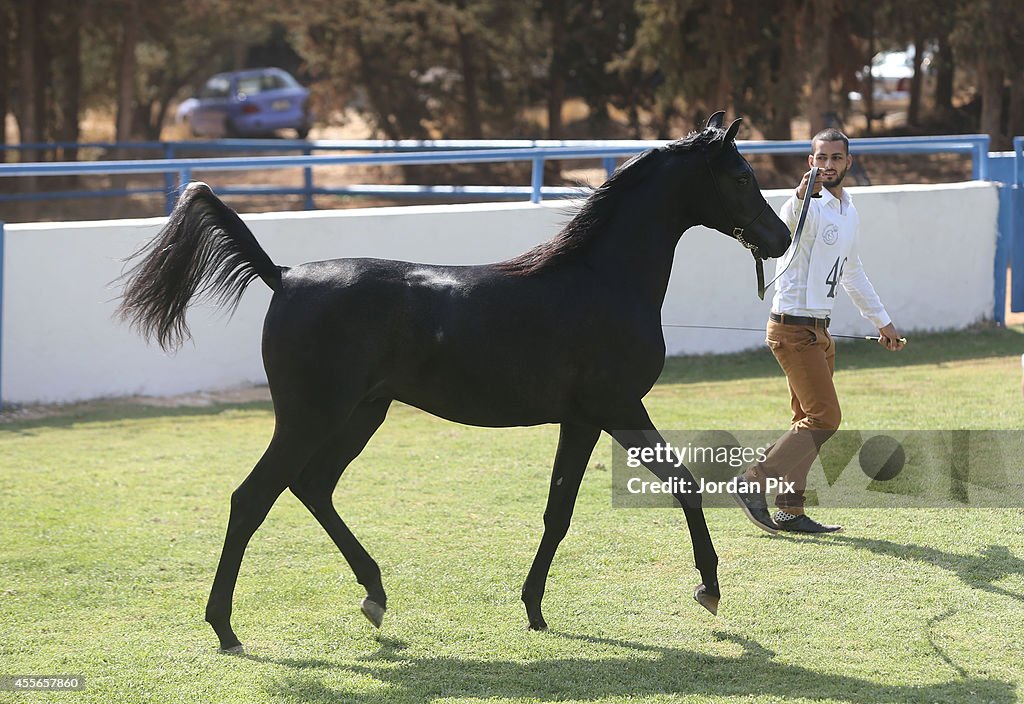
{"x":113,"y":516}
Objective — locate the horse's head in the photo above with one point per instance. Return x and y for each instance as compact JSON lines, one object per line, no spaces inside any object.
{"x":732,"y":202}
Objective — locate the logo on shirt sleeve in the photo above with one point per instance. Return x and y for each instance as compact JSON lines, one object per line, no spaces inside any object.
{"x":830,"y":235}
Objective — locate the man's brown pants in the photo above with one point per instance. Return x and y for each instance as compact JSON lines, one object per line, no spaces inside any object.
{"x":807,"y":355}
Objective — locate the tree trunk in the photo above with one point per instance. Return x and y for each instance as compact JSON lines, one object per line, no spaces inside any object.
{"x":723,"y":90}
{"x":1015,"y":120}
{"x":378,"y":101}
{"x":41,"y":64}
{"x":239,"y":54}
{"x":26,"y":62}
{"x":126,"y":72}
{"x":5,"y":83}
{"x":556,"y":83}
{"x":944,"y":69}
{"x":823,"y":12}
{"x":471,"y":97}
{"x":990,"y":74}
{"x":783,"y":84}
{"x":71,"y":80}
{"x":914,"y":111}
{"x":556,"y":69}
{"x":869,"y":79}
{"x":634,"y":120}
{"x":143,"y":125}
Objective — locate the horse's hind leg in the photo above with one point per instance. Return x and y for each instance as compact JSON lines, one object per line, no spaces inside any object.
{"x":575,"y":445}
{"x":288,"y":452}
{"x":315,"y":487}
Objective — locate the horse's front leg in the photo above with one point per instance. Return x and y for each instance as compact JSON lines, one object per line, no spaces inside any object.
{"x":642,"y":433}
{"x":575,"y":445}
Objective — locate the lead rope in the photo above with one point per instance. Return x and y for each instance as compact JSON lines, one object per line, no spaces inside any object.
{"x":794,"y":245}
{"x":872,"y":338}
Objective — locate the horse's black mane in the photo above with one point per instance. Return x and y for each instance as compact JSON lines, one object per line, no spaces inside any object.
{"x":597,"y":210}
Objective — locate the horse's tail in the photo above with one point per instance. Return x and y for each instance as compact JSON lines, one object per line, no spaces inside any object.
{"x":204,"y":251}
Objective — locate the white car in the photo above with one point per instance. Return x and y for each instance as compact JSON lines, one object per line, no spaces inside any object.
{"x":892,"y":72}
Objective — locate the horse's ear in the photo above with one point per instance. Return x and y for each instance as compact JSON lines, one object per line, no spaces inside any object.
{"x":733,"y":129}
{"x":716,"y":120}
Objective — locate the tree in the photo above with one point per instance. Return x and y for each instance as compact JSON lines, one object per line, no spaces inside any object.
{"x":690,"y":45}
{"x":67,"y":59}
{"x":923,"y":25}
{"x":597,"y":33}
{"x":768,"y":91}
{"x":185,"y":43}
{"x":466,"y":30}
{"x":557,"y":69}
{"x":710,"y":56}
{"x":404,"y":65}
{"x":989,"y":33}
{"x":821,"y":16}
{"x":30,"y":97}
{"x":6,"y":35}
{"x":127,"y":63}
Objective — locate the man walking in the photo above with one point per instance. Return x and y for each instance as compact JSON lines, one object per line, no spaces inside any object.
{"x":826,"y":257}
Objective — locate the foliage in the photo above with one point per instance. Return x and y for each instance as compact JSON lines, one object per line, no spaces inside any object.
{"x":422,"y":68}
{"x":473,"y":68}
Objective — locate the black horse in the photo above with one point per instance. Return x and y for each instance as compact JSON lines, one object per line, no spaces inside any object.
{"x":568,"y":332}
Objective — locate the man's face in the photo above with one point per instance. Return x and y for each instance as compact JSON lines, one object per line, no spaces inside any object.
{"x":832,"y":160}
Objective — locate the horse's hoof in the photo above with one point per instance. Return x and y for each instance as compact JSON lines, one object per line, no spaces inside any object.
{"x":539,"y":627}
{"x":233,"y":650}
{"x":708,"y":601}
{"x":373,"y":611}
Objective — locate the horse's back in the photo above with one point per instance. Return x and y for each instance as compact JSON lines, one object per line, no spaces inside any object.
{"x":470,"y":343}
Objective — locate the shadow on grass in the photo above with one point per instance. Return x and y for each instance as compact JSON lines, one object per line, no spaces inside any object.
{"x":107,"y":411}
{"x":976,"y":571}
{"x":924,"y":348}
{"x":650,"y":671}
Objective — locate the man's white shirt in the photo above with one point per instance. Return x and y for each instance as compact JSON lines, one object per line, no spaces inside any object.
{"x":827,"y":258}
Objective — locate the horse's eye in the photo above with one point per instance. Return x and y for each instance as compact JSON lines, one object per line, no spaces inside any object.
{"x":743,"y":180}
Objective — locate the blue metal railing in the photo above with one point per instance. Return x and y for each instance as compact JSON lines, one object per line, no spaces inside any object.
{"x":430,"y":152}
{"x":184,"y":167}
{"x":1011,"y":217}
{"x":3,"y":246}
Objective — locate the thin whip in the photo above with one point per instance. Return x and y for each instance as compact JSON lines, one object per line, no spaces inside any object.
{"x":795,"y":244}
{"x":874,"y":338}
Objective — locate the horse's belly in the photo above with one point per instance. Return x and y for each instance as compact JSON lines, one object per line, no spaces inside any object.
{"x":492,"y":404}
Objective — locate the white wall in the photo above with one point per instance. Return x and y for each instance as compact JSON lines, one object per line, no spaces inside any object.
{"x":928,"y":249}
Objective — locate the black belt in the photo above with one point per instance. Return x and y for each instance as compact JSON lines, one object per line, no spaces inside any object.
{"x":799,"y":320}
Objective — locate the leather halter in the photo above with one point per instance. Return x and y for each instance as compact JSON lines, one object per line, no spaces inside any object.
{"x":737,"y":232}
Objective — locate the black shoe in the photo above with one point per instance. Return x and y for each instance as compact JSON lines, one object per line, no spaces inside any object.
{"x":755,"y":508}
{"x":802,"y":524}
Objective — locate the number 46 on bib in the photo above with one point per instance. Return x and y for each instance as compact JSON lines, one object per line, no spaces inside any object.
{"x":835,"y":274}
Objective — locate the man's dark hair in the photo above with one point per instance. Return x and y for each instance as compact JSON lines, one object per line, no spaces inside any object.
{"x":831,"y":134}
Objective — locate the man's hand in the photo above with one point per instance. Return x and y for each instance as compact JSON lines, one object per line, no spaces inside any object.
{"x":890,"y":339}
{"x":801,"y":190}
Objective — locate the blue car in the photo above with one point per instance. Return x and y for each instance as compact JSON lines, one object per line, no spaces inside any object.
{"x":251,"y":103}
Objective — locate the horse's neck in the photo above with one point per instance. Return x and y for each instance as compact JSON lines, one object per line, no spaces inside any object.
{"x":637,"y":257}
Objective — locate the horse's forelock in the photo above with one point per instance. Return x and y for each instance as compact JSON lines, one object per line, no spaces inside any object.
{"x":699,"y":139}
